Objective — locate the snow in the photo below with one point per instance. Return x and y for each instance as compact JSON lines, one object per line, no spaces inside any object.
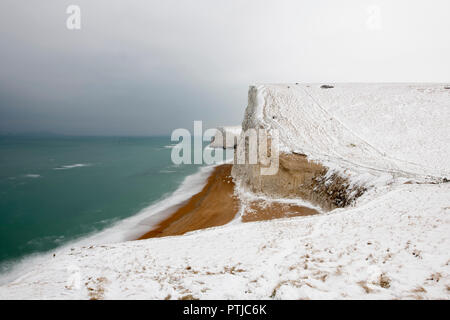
{"x":342,"y":254}
{"x":378,"y":127}
{"x":393,"y":243}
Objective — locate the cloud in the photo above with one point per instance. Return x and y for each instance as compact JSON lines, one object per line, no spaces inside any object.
{"x":147,"y":67}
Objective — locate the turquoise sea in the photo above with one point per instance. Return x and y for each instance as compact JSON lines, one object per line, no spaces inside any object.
{"x":59,"y":189}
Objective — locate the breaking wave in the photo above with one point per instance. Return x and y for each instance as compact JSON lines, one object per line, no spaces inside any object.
{"x":71,"y":166}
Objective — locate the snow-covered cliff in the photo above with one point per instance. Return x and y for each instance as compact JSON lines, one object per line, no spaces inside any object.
{"x":362,"y":135}
{"x":388,"y":127}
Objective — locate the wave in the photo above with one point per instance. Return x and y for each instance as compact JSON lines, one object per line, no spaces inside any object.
{"x":32,"y":175}
{"x":124,"y":230}
{"x":71,"y":166}
{"x":167,"y":171}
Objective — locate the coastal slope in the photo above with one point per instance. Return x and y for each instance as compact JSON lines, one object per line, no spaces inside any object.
{"x":389,"y":240}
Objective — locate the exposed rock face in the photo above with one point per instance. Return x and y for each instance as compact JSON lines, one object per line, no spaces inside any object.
{"x":297,"y":177}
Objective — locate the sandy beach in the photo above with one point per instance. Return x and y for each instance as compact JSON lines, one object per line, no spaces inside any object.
{"x":216,"y":205}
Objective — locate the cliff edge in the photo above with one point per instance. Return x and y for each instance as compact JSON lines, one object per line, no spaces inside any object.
{"x":338,"y":140}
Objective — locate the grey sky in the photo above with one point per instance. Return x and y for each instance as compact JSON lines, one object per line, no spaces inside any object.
{"x":148,"y":67}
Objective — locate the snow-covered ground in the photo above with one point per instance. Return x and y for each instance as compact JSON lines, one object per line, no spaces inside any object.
{"x":396,"y":246}
{"x":393,"y":243}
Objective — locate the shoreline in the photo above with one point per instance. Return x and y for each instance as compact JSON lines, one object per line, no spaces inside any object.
{"x":216,"y":205}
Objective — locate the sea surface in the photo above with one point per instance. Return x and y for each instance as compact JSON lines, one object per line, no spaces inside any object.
{"x":54,"y":191}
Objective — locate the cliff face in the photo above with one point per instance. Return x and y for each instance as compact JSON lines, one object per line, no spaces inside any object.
{"x":329,"y":158}
{"x":226,"y":137}
{"x":297,"y":177}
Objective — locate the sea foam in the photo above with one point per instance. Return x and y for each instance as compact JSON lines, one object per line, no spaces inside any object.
{"x":71,"y":166}
{"x":32,"y":175}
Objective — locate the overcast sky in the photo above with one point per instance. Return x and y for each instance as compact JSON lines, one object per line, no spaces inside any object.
{"x":148,"y":67}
